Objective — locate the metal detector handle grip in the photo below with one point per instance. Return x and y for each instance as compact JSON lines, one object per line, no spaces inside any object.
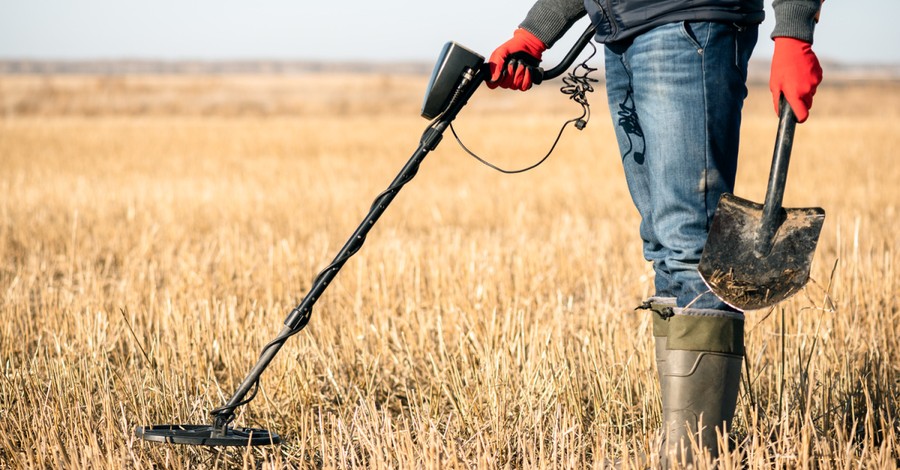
{"x":772,"y":209}
{"x":538,"y":74}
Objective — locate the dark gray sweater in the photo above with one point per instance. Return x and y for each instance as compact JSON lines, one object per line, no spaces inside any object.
{"x":550,"y":19}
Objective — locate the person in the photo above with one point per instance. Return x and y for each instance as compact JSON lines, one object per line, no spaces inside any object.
{"x":676,"y":75}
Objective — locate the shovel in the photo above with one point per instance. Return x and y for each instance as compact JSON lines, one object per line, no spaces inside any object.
{"x":758,"y":255}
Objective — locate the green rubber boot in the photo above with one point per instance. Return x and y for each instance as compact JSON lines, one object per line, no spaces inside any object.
{"x":661,"y":309}
{"x":700,"y":378}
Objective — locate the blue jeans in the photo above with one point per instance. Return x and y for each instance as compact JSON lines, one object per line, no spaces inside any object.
{"x":675,"y":94}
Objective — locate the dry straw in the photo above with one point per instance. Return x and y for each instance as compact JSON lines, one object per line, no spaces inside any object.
{"x":154,"y":232}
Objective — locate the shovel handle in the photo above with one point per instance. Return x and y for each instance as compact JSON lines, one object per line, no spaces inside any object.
{"x":773,"y":214}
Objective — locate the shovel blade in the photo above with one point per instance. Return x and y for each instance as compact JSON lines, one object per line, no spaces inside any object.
{"x":738,"y":273}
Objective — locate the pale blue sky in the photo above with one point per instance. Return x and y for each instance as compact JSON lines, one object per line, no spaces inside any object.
{"x":860,"y":31}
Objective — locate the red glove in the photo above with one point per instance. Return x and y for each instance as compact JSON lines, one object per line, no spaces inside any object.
{"x":796,"y":74}
{"x":516,"y":78}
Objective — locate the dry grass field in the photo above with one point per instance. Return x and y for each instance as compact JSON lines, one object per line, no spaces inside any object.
{"x":155,"y":232}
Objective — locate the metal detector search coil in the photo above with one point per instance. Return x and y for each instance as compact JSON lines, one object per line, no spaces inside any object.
{"x":206,"y":435}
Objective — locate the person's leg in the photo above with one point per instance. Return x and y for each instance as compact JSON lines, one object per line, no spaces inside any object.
{"x":688,"y":82}
{"x":630,"y":138}
{"x":687,"y":85}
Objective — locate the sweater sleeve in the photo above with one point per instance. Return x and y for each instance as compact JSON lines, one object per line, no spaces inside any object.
{"x":550,"y":19}
{"x":796,"y":18}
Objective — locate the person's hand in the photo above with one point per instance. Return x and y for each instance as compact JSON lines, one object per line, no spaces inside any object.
{"x":524,"y":46}
{"x":795,"y":74}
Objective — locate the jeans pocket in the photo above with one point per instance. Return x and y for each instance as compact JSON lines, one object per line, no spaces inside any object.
{"x":744,"y":38}
{"x":693,"y":32}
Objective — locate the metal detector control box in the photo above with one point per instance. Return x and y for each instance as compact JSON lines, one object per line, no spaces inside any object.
{"x":453,"y":61}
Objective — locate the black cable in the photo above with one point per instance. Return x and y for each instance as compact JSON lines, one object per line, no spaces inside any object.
{"x":577,"y":85}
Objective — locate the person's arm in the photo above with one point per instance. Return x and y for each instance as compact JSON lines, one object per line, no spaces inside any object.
{"x":545,"y":23}
{"x":796,"y":72}
{"x":548,"y":20}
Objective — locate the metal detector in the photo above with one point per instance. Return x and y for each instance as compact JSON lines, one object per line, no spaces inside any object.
{"x":457,"y":74}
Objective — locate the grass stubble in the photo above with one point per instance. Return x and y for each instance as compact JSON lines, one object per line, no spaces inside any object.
{"x":154,"y":233}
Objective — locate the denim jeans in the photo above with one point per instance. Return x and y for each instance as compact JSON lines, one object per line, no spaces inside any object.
{"x":675,"y":94}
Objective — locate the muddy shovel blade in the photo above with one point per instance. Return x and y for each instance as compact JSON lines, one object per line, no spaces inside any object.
{"x":742,"y":276}
{"x":757,"y":255}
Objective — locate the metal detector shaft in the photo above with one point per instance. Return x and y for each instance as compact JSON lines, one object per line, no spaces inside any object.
{"x":457,"y":75}
{"x":300,"y":315}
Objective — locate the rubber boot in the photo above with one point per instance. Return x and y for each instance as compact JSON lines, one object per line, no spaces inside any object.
{"x":661,"y":309}
{"x":700,"y":379}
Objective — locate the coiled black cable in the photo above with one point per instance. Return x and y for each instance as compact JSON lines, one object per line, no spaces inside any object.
{"x":577,"y":84}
